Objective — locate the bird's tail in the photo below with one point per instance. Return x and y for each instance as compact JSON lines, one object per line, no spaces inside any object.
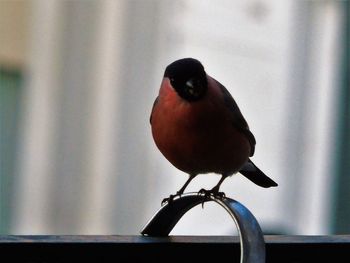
{"x":254,"y":174}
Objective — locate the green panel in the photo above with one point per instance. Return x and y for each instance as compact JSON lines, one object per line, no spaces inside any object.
{"x":341,"y":222}
{"x":10,"y":82}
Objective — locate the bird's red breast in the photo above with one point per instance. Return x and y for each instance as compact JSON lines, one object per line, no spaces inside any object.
{"x":198,"y":137}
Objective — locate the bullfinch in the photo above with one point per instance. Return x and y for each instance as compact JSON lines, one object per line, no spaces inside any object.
{"x":198,"y":127}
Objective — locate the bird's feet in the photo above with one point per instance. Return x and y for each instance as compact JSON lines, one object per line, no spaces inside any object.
{"x":213,"y":192}
{"x":170,"y":199}
{"x":210,"y":193}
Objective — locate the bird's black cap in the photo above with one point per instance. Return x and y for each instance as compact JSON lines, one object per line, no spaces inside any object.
{"x":188,"y":78}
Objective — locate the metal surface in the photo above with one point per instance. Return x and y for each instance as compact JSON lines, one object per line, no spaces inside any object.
{"x":251,"y":237}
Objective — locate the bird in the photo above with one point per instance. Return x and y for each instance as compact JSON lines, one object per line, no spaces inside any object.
{"x":198,"y":127}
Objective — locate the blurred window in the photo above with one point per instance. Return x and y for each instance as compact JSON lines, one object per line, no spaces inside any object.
{"x":10,"y":86}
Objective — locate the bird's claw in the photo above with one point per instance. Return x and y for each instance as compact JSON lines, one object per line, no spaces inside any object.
{"x":208,"y":193}
{"x":205,"y":193}
{"x":219,"y":195}
{"x":170,"y":199}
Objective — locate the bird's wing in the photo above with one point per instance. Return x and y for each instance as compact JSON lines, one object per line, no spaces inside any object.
{"x":238,"y":120}
{"x":154,"y":104}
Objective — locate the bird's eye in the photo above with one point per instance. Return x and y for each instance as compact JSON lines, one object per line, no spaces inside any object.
{"x":192,"y":88}
{"x":190,"y":84}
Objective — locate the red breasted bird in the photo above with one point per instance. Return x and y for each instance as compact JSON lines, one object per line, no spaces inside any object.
{"x":198,"y":127}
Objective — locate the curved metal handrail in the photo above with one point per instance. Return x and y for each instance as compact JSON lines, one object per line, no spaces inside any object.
{"x":250,"y":234}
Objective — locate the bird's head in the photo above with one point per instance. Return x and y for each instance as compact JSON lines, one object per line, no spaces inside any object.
{"x":188,"y":78}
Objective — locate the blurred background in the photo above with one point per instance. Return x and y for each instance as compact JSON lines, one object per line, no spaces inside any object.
{"x":77,"y":83}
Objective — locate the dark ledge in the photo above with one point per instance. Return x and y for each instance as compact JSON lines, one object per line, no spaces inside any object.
{"x":178,"y":249}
